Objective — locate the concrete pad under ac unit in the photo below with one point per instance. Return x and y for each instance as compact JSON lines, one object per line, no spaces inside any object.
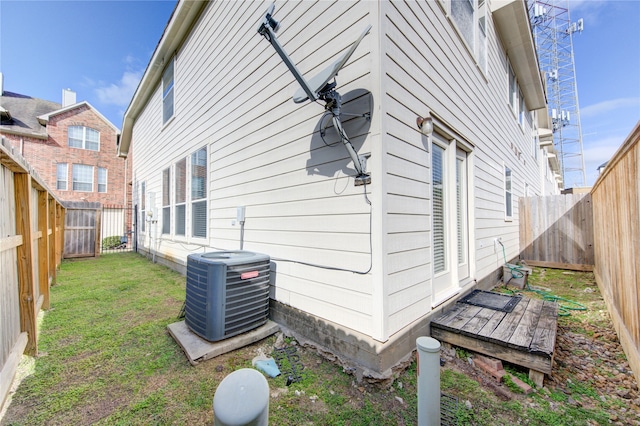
{"x":198,"y":349}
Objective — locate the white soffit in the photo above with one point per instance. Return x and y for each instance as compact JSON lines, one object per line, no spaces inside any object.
{"x":512,"y":23}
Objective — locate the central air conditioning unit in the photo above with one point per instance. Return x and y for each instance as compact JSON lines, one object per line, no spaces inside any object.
{"x":227,"y":293}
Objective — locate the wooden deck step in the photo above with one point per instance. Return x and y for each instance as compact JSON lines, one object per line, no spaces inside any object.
{"x":525,"y":336}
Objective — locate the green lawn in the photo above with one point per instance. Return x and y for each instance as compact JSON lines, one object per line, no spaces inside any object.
{"x":105,"y":357}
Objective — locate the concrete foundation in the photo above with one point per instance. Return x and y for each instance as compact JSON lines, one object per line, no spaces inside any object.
{"x":358,"y":353}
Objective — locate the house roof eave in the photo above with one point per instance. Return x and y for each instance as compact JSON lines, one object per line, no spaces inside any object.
{"x":44,"y":118}
{"x":184,"y":16}
{"x":513,"y":26}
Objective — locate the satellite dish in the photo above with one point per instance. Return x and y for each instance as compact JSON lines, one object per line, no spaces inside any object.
{"x":319,"y":87}
{"x":319,"y":81}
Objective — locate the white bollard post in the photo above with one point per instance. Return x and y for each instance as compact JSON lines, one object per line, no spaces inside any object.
{"x":428,"y":381}
{"x":242,"y":399}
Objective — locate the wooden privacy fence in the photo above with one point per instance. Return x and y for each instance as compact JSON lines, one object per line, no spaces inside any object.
{"x":91,"y":228}
{"x":31,"y":235}
{"x":82,"y":229}
{"x":557,"y":231}
{"x":616,"y":219}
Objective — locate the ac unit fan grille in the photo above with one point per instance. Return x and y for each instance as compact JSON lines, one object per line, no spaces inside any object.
{"x":223,"y":300}
{"x":245,"y":306}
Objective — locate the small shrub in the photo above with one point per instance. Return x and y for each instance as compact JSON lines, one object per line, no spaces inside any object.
{"x":111,"y":242}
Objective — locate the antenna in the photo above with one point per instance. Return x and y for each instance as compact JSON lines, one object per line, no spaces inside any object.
{"x":319,"y":87}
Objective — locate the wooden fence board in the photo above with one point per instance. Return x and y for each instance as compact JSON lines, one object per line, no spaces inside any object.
{"x":81,"y":232}
{"x":616,"y":221}
{"x":555,"y":231}
{"x":25,"y":206}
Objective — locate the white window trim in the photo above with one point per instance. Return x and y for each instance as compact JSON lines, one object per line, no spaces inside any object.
{"x":143,"y":205}
{"x":106,"y":180}
{"x":480,"y":9}
{"x":84,"y":138}
{"x":199,"y":200}
{"x":66,"y":176}
{"x":455,"y":143}
{"x":73,"y":176}
{"x":184,"y":203}
{"x":168,"y":204}
{"x":507,"y":218}
{"x":167,"y":120}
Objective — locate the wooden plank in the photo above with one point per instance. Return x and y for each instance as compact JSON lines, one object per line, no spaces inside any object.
{"x":43,"y":247}
{"x":8,"y":243}
{"x":443,"y":320}
{"x":557,"y":231}
{"x":523,"y":334}
{"x":616,"y":209}
{"x":98,"y":228}
{"x":481,"y":319}
{"x":491,"y":325}
{"x":558,"y":265}
{"x":544,"y":338}
{"x":463,"y":317}
{"x":504,"y":331}
{"x":51,"y":241}
{"x":537,"y":362}
{"x":10,"y":367}
{"x":536,"y":377}
{"x":26,"y":281}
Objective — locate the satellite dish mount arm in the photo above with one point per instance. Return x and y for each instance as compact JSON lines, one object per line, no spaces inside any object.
{"x":324,"y":89}
{"x":268,"y":29}
{"x":334,"y":105}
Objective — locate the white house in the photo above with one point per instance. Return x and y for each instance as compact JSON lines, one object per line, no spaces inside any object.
{"x":356,"y":270}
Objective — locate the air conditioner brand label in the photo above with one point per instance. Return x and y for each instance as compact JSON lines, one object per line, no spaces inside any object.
{"x":248,"y":275}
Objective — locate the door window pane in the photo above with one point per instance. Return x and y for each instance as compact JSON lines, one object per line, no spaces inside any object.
{"x":439,"y":237}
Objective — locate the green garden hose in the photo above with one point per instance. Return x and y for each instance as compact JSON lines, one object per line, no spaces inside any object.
{"x":564,"y":307}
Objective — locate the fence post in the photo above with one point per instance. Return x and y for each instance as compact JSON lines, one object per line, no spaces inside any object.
{"x":26,"y":261}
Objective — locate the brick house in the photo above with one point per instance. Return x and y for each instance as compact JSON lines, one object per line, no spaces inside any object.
{"x":72,"y":146}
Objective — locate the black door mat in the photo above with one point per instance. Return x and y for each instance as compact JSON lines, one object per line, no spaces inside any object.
{"x":491,"y":300}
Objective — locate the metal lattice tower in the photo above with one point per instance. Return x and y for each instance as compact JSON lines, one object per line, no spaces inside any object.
{"x":553,"y":34}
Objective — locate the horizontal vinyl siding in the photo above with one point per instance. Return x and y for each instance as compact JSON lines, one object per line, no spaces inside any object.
{"x":233,"y":95}
{"x":426,"y":67}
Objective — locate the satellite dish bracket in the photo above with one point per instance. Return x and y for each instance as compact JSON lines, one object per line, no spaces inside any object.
{"x":333,"y":101}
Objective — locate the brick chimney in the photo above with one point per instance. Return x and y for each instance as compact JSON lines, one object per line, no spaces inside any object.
{"x":68,"y":97}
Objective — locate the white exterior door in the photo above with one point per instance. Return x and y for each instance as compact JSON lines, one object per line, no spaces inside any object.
{"x":450,"y":218}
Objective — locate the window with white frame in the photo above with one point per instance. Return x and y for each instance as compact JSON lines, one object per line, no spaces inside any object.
{"x":84,"y":138}
{"x":167,"y":92}
{"x":166,"y":201}
{"x":102,"y":179}
{"x":481,"y":39}
{"x":181,"y":197}
{"x":508,"y":196}
{"x":143,"y":206}
{"x":523,"y":112}
{"x":82,"y":178}
{"x":470,"y":17}
{"x":513,"y":90}
{"x":199,"y":193}
{"x":62,"y":176}
{"x":462,"y":12}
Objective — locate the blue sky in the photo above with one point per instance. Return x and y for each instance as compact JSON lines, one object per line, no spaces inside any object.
{"x":607,"y":62}
{"x":100,"y":49}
